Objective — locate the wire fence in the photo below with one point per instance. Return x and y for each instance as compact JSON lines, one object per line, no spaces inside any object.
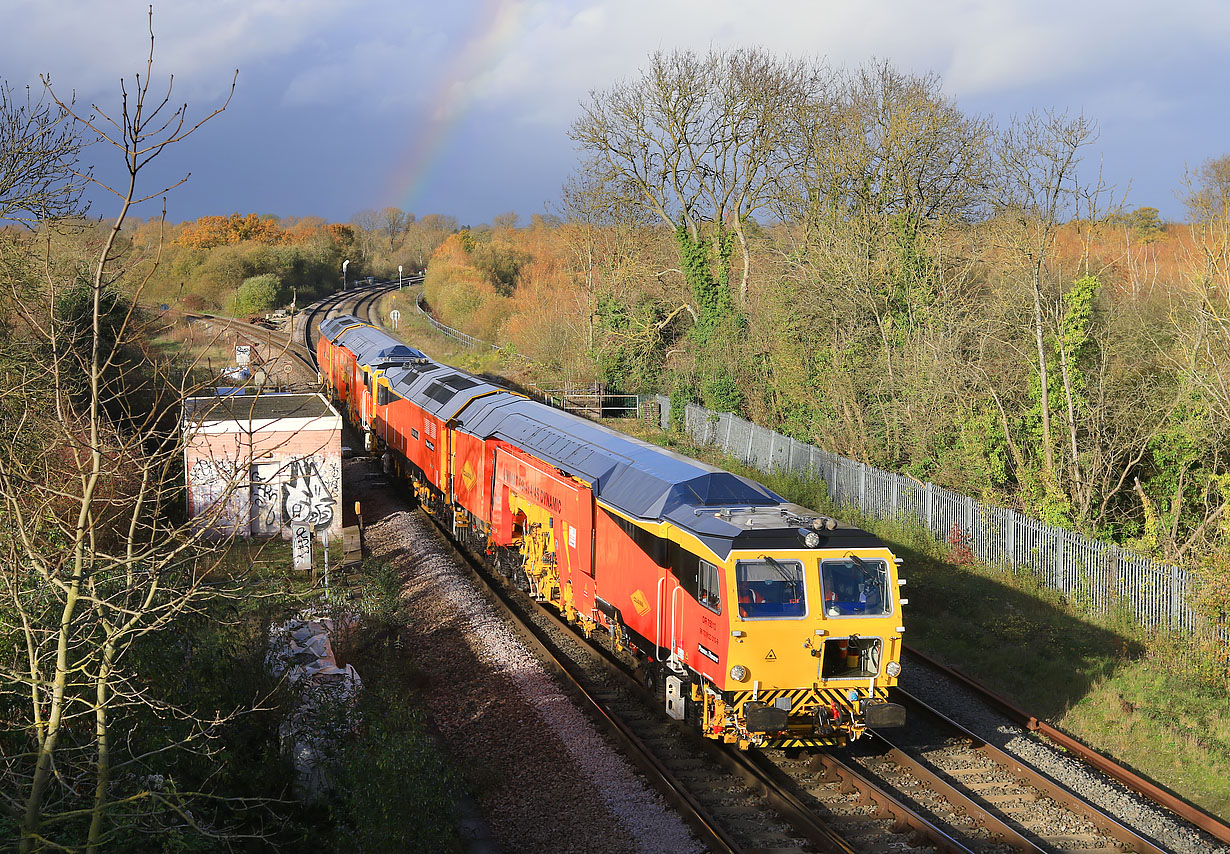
{"x":1093,"y":574}
{"x":456,"y":334}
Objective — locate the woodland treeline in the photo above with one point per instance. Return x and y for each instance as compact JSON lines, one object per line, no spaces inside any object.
{"x":248,"y":264}
{"x":848,"y":257}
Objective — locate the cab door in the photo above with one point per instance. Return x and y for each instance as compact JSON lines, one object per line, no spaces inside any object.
{"x":670,"y":620}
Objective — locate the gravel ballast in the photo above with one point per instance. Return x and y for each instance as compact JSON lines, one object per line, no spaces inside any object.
{"x":544,"y":778}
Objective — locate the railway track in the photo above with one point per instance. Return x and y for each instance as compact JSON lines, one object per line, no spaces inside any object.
{"x":978,"y":793}
{"x":937,"y":787}
{"x":359,"y":302}
{"x":1164,"y":798}
{"x":281,"y":344}
{"x":298,"y":343}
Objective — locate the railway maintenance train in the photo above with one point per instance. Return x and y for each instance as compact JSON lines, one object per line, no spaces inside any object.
{"x":759,"y":621}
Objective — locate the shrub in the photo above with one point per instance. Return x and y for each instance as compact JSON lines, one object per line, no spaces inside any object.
{"x":258,"y":294}
{"x":396,"y":791}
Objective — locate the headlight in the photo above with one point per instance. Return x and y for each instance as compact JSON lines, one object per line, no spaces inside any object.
{"x":738,"y":673}
{"x":810,"y":538}
{"x":893,"y":669}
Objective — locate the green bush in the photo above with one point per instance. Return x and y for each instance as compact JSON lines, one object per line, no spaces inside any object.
{"x":395,"y":791}
{"x":258,"y":295}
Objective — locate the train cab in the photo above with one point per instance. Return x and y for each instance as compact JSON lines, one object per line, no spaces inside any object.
{"x":760,"y":622}
{"x":811,"y":638}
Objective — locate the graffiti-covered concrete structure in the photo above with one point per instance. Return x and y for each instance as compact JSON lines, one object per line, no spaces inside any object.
{"x":257,"y":463}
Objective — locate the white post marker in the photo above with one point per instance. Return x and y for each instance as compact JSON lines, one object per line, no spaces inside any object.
{"x":324,"y":542}
{"x":301,"y":541}
{"x":394,"y":316}
{"x":345,"y":264}
{"x":399,"y":284}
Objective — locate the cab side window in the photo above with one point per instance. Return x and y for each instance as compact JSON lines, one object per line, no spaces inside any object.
{"x":710,"y":587}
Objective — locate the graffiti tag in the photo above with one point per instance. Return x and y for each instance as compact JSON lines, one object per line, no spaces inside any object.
{"x":305,"y":496}
{"x":301,"y":543}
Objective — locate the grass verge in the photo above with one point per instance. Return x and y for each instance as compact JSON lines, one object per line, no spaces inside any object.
{"x":392,"y":788}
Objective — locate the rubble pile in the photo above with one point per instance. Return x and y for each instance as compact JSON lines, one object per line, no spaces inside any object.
{"x":325,"y":694}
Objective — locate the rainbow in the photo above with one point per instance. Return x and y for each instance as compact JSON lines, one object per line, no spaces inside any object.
{"x":500,"y":23}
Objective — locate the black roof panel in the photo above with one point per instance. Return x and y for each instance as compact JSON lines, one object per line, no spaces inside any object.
{"x":439,"y":389}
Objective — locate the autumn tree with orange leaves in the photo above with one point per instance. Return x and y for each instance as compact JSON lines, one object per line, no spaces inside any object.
{"x":210,"y":231}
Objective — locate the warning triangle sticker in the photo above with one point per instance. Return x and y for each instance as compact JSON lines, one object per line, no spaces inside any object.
{"x":770,"y":656}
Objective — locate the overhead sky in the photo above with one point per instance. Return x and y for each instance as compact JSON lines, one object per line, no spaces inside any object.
{"x":463,"y":107}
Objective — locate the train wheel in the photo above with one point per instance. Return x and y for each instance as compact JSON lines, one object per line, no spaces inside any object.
{"x":521,"y":579}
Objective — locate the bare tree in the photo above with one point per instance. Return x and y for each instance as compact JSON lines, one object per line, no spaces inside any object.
{"x":393,"y":223}
{"x":886,"y":166}
{"x":39,"y":150}
{"x":367,"y":223}
{"x":607,"y":258}
{"x":1200,"y":354}
{"x":698,"y":140}
{"x":506,"y":221}
{"x":92,"y":562}
{"x":1039,"y":189}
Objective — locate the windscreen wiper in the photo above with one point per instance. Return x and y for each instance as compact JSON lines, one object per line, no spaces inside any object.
{"x":781,"y":570}
{"x":869,"y":575}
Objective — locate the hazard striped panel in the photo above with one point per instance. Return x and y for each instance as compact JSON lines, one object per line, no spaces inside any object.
{"x":803,"y":700}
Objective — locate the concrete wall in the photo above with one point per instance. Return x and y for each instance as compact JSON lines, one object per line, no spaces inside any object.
{"x":258,"y":483}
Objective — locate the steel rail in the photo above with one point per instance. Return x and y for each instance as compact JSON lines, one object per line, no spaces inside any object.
{"x":265,"y":334}
{"x":1107,"y":824}
{"x":333,"y":302}
{"x":830,"y":767}
{"x":1161,"y":796}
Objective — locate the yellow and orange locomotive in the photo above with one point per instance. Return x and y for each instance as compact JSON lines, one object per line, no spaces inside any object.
{"x":762,"y":622}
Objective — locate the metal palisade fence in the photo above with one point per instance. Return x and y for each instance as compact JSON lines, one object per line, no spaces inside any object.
{"x":1093,"y":574}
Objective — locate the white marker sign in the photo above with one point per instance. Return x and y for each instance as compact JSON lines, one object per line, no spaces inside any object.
{"x":394,"y":316}
{"x":243,"y":354}
{"x":301,"y":541}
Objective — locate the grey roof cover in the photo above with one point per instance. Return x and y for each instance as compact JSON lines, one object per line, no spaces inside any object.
{"x":439,"y":389}
{"x":373,"y":346}
{"x":641,"y":480}
{"x":256,"y":407}
{"x":333,"y":326}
